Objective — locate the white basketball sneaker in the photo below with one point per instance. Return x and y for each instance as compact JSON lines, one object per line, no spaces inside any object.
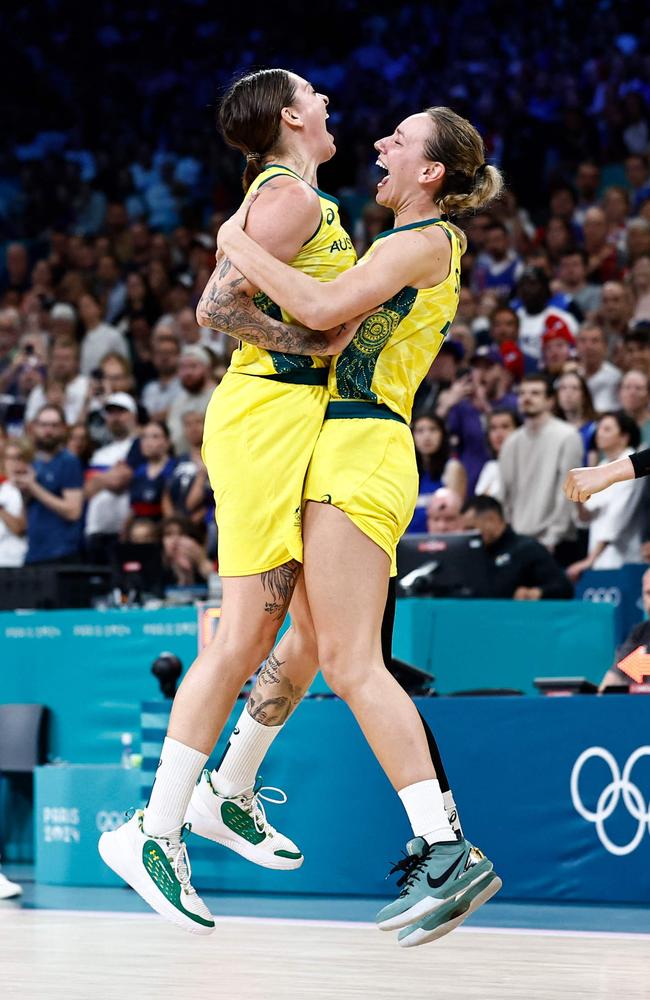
{"x":158,"y":868}
{"x":9,"y":889}
{"x":240,"y":823}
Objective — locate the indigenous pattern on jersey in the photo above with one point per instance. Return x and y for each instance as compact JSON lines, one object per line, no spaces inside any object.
{"x":325,"y":255}
{"x":393,"y":349}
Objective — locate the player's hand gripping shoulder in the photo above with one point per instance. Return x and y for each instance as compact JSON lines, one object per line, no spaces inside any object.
{"x":413,"y":257}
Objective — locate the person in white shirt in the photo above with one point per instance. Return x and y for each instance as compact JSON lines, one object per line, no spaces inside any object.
{"x":614,"y":515}
{"x":157,"y":396}
{"x":13,"y":525}
{"x":534,"y":293}
{"x":533,"y":464}
{"x":197,"y":386}
{"x":99,"y":339}
{"x":108,"y":476}
{"x":602,"y":377}
{"x":63,"y":366}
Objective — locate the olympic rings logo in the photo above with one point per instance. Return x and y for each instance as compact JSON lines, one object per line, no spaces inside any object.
{"x":106,"y":821}
{"x":609,"y":798}
{"x":603,"y":595}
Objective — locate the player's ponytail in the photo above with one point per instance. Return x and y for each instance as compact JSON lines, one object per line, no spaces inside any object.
{"x":469,"y":182}
{"x":250,"y":116}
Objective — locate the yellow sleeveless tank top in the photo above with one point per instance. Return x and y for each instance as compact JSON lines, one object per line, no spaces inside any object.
{"x":325,"y":255}
{"x":393,"y":349}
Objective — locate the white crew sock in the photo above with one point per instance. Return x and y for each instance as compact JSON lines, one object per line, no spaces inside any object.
{"x":172,"y":789}
{"x":248,"y":745}
{"x":452,"y":812}
{"x":425,"y":808}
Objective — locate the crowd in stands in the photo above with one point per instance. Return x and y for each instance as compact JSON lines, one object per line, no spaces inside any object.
{"x":108,"y":214}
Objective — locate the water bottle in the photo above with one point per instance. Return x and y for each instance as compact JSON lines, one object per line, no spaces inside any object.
{"x":127,"y":746}
{"x":215,"y":588}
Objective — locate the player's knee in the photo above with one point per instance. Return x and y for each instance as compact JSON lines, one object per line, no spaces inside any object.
{"x":305,"y":642}
{"x":338,"y":670}
{"x":245,"y":645}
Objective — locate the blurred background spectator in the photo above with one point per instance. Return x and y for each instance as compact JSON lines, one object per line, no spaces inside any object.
{"x":107,"y":478}
{"x":51,"y":488}
{"x":501,"y":424}
{"x":533,"y":464}
{"x":151,"y":477}
{"x":18,"y":455}
{"x":444,"y":512}
{"x":613,"y":516}
{"x":435,"y":466}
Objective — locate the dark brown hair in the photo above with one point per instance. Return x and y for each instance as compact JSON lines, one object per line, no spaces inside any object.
{"x":249,"y":116}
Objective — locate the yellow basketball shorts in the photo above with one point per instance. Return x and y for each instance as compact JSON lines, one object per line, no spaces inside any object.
{"x":366,"y":467}
{"x":258,"y":440}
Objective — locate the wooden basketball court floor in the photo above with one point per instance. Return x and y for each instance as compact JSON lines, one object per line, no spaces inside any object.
{"x":116,"y":950}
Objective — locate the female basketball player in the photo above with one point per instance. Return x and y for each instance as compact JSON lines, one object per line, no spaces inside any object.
{"x":362,"y":480}
{"x":261,"y":427}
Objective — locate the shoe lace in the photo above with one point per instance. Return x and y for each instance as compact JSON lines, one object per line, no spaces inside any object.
{"x":411,"y":866}
{"x":257,"y":809}
{"x":176,"y":852}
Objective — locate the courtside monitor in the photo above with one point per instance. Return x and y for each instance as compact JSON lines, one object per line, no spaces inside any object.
{"x":445,"y":565}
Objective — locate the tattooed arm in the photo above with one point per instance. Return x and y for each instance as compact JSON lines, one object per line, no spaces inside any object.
{"x":280,"y":216}
{"x":226,"y":306}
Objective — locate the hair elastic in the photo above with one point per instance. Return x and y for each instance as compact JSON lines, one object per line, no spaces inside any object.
{"x":253,"y":156}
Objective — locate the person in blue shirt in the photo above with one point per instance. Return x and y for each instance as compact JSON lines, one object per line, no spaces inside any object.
{"x":151,"y":477}
{"x":435,"y":466}
{"x":52,"y":492}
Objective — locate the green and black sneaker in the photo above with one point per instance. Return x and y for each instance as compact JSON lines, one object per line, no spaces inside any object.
{"x":158,"y":868}
{"x":239,"y":822}
{"x":432,"y":875}
{"x":451,"y":914}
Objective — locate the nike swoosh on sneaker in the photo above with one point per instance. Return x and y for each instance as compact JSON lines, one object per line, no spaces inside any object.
{"x":435,"y":883}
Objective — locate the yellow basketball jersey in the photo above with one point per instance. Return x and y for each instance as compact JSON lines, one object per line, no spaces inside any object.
{"x":393,"y":349}
{"x":325,"y":255}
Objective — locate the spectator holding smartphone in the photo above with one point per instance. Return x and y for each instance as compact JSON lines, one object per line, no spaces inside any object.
{"x":464,"y":406}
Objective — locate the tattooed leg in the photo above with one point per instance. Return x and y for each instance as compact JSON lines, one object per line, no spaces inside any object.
{"x":278,"y":585}
{"x":289,"y":670}
{"x":280,"y":685}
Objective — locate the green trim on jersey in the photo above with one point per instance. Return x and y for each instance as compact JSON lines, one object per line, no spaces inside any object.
{"x":401,"y":229}
{"x":281,"y":166}
{"x":355,"y":367}
{"x":281,"y":362}
{"x":359,"y":409}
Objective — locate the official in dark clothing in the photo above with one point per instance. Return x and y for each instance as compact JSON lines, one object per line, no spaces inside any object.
{"x":519,"y":567}
{"x":639,"y":636}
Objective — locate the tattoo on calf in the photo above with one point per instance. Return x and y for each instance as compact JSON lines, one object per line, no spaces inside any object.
{"x":280,"y":583}
{"x":274,"y":695}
